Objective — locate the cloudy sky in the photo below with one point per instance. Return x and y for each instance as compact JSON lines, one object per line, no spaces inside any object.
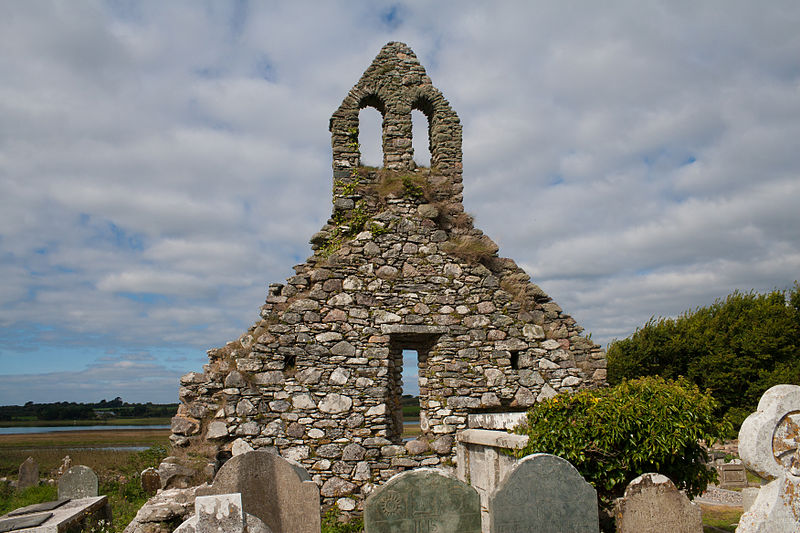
{"x":162,"y":162}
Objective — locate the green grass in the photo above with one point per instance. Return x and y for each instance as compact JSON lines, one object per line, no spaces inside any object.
{"x":720,"y":518}
{"x":118,"y":475}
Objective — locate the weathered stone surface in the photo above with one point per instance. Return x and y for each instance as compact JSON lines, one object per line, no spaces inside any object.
{"x":425,"y":499}
{"x":653,"y":503}
{"x":28,"y":475}
{"x":150,"y":480}
{"x":174,"y":474}
{"x":222,"y":514}
{"x":769,"y":440}
{"x":78,"y":482}
{"x":271,"y":490}
{"x":335,"y":403}
{"x":542,"y":490}
{"x":168,"y":506}
{"x":336,"y":487}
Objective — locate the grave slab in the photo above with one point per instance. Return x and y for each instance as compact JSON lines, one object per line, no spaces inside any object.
{"x":72,"y":515}
{"x":272,"y":489}
{"x":652,"y":502}
{"x":543,"y":493}
{"x":423,"y":500}
{"x":78,"y":482}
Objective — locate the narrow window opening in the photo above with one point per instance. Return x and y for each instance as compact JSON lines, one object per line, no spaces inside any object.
{"x":409,"y":400}
{"x":370,"y":137}
{"x":420,"y":138}
{"x":289,"y":362}
{"x":515,"y":360}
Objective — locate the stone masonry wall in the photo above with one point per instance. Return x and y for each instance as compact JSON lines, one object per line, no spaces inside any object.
{"x":399,"y":265}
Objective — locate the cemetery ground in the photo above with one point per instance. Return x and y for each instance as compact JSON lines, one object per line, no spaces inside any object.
{"x":103,"y":451}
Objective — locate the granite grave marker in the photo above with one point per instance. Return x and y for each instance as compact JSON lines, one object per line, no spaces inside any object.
{"x":652,"y":502}
{"x":278,"y":492}
{"x":77,"y":482}
{"x":425,"y":500}
{"x":28,"y":474}
{"x":543,"y":493}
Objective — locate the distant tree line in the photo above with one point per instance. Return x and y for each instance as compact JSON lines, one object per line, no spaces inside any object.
{"x":103,"y":409}
{"x":736,"y":348}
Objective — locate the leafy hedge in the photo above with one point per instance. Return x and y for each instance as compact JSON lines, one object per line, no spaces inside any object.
{"x":614,"y":435}
{"x":737,"y":347}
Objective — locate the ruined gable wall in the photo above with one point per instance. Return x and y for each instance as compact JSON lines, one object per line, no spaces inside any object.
{"x":398,"y":265}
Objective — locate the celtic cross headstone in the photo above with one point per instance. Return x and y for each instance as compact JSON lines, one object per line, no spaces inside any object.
{"x":769,"y":444}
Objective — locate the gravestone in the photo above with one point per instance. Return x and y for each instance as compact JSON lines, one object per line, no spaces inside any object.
{"x":423,"y":500}
{"x":78,"y":482}
{"x":222,"y":513}
{"x":151,"y":481}
{"x":769,"y":444}
{"x":279,"y":493}
{"x":653,"y":503}
{"x":543,"y":493}
{"x":28,"y":474}
{"x":732,"y":475}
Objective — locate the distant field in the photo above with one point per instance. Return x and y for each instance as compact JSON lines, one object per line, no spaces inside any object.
{"x":91,"y":422}
{"x":80,"y":439}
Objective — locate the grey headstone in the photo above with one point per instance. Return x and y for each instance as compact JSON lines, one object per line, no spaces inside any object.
{"x":425,"y":499}
{"x":653,"y":503}
{"x":221,"y":513}
{"x":732,"y":476}
{"x":151,"y":481}
{"x":78,"y":482}
{"x":543,"y":493}
{"x":28,"y":474}
{"x":12,"y":524}
{"x":272,"y":489}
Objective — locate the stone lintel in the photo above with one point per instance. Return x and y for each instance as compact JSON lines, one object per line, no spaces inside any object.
{"x":495,"y":439}
{"x":404,"y":329}
{"x":504,"y":421}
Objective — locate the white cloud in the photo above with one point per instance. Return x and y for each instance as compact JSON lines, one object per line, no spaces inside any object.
{"x":161,"y":163}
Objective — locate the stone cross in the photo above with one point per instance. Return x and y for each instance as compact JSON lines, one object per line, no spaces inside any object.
{"x":768,"y":444}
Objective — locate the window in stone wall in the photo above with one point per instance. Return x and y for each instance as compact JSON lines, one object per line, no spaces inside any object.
{"x":370,"y":131}
{"x":410,"y":398}
{"x":515,"y":360}
{"x":419,"y":139}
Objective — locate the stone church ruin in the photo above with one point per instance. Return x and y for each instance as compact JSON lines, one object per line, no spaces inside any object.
{"x":398,"y":266}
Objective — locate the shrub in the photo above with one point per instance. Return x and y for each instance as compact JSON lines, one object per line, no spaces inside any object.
{"x":614,"y":435}
{"x":737,"y":348}
{"x":332,"y":523}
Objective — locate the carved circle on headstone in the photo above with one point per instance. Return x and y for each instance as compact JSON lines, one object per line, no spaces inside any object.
{"x":767,"y":438}
{"x":784,"y":440}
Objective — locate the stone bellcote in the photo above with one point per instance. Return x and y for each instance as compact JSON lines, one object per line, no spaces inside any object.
{"x":395,"y":84}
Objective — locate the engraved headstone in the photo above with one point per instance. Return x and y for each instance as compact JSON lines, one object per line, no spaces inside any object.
{"x":222,"y":513}
{"x":28,"y":474}
{"x":274,"y":490}
{"x":769,"y":444}
{"x":732,"y":476}
{"x":653,"y":503}
{"x":423,"y":500}
{"x":151,"y":481}
{"x":78,"y":482}
{"x":543,"y":493}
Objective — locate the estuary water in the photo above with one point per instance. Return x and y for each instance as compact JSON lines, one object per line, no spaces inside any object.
{"x":50,"y":429}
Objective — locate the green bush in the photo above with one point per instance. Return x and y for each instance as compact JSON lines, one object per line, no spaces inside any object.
{"x":331,"y":523}
{"x":614,"y":435}
{"x":737,"y":348}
